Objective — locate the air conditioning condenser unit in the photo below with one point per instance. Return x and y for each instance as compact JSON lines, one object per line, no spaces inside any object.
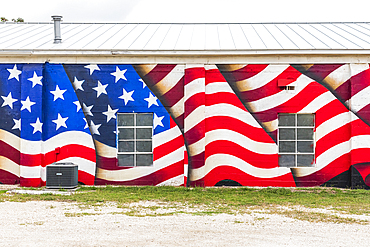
{"x":62,"y":176}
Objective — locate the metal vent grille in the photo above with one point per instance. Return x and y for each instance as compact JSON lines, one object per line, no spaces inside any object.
{"x":62,"y":175}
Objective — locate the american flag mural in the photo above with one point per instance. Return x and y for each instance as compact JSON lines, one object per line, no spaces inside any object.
{"x":210,"y":124}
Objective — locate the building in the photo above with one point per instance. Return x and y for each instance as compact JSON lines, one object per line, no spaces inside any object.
{"x":267,"y":104}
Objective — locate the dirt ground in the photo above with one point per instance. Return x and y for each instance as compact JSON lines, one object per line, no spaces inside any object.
{"x":50,"y":223}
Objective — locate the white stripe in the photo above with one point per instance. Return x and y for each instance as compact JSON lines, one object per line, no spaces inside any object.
{"x":217,"y":160}
{"x":197,"y":147}
{"x":241,"y":140}
{"x":344,"y":73}
{"x":178,"y":108}
{"x":194,"y":65}
{"x":9,"y":166}
{"x":175,"y":181}
{"x":218,"y":87}
{"x":359,"y":100}
{"x":334,"y":123}
{"x":357,"y":68}
{"x":357,"y":142}
{"x":138,"y":172}
{"x":194,"y":118}
{"x":318,"y":103}
{"x":10,"y":139}
{"x":166,"y":136}
{"x":60,"y":140}
{"x":194,"y":87}
{"x":277,"y":99}
{"x":210,"y":66}
{"x":361,"y":141}
{"x":30,"y":171}
{"x":83,"y":164}
{"x":229,"y":110}
{"x":170,"y":80}
{"x":262,"y":78}
{"x":338,"y":76}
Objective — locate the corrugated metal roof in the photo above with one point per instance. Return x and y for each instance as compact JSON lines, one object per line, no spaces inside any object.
{"x":182,"y":38}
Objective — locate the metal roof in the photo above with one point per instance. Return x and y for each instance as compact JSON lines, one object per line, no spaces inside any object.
{"x":177,"y":38}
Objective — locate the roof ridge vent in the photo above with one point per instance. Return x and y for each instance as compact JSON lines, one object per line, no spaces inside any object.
{"x":57,"y":35}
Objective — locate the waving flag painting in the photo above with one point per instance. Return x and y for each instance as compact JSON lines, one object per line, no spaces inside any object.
{"x":187,"y":124}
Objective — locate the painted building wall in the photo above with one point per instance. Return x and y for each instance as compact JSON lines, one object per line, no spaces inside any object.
{"x":212,"y":124}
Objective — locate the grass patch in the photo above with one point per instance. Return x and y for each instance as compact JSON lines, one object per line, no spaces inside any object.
{"x":210,"y":201}
{"x":80,"y":214}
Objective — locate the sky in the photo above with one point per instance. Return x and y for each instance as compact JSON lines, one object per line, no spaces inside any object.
{"x":175,"y":11}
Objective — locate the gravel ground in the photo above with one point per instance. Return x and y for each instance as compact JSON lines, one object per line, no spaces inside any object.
{"x":65,"y":224}
{"x":51,"y":223}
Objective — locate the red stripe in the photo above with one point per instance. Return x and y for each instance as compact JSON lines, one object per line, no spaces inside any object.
{"x":86,"y":178}
{"x":364,"y":170}
{"x":364,"y":114}
{"x":231,"y":148}
{"x":193,"y":103}
{"x":359,"y":128}
{"x":214,"y":75}
{"x":329,"y":111}
{"x":109,"y":163}
{"x":67,"y":151}
{"x":295,"y":104}
{"x":360,"y":155}
{"x":9,"y":152}
{"x":354,"y":85}
{"x":180,"y":122}
{"x":271,"y":87}
{"x":318,"y":72}
{"x":224,"y":98}
{"x":174,"y":95}
{"x":343,"y":92}
{"x":244,"y":73}
{"x":31,"y":182}
{"x":196,"y":133}
{"x":8,"y":178}
{"x":168,"y":147}
{"x":197,"y":160}
{"x":228,"y":172}
{"x":155,"y":178}
{"x":192,"y":74}
{"x":221,"y":122}
{"x":330,"y":171}
{"x":332,"y":139}
{"x":157,"y":74}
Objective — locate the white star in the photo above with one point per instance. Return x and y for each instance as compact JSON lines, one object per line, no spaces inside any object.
{"x":36,"y":80}
{"x":95,"y":128}
{"x":8,"y":100}
{"x":87,"y":109}
{"x":127,"y":96}
{"x":119,"y":74}
{"x":100,"y":89}
{"x":37,"y":126}
{"x":58,"y":93}
{"x":60,"y":121}
{"x":157,"y":121}
{"x":14,"y":73}
{"x":144,"y":85}
{"x":152,"y":100}
{"x":92,"y":68}
{"x":78,"y":84}
{"x":17,"y":124}
{"x":86,"y":125}
{"x":26,"y":104}
{"x":110,"y":113}
{"x":77,"y":103}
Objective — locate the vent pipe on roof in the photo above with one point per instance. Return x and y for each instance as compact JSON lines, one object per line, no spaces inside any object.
{"x":57,"y":35}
